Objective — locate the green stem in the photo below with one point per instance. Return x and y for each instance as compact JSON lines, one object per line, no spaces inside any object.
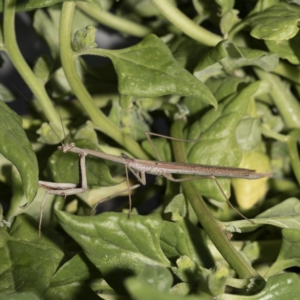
{"x":186,"y":25}
{"x":285,"y":102}
{"x":68,"y":60}
{"x":114,"y":21}
{"x":273,"y":134}
{"x":288,"y":71}
{"x":20,"y":64}
{"x":292,"y":143}
{"x":208,"y":222}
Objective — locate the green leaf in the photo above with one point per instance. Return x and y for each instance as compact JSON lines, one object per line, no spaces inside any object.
{"x":177,"y":207}
{"x":141,"y":290}
{"x":283,"y":215}
{"x":187,"y":51}
{"x":77,"y":269}
{"x":289,"y":252}
{"x":218,"y":145}
{"x":286,"y":49}
{"x":248,"y":133}
{"x":64,"y":167}
{"x":15,"y":146}
{"x":5,"y":94}
{"x":116,"y":244}
{"x":85,"y":38}
{"x":74,"y":291}
{"x":225,"y":86}
{"x":184,"y":239}
{"x":42,"y":68}
{"x":50,"y":133}
{"x":87,"y":132}
{"x":157,"y":276}
{"x":148,"y":69}
{"x":28,"y":261}
{"x":19,"y":296}
{"x":283,"y":286}
{"x":225,"y":57}
{"x":228,"y":20}
{"x":277,"y":23}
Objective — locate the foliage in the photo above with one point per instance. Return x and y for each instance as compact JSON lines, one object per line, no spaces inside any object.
{"x":238,"y":88}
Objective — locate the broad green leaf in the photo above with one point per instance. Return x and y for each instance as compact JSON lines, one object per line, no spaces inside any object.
{"x":32,"y":4}
{"x":77,"y":269}
{"x":262,"y":5}
{"x":248,"y":134}
{"x":64,"y":167}
{"x":28,"y":261}
{"x":148,"y":69}
{"x":50,"y":133}
{"x":177,"y":207}
{"x":141,"y":290}
{"x":42,"y":68}
{"x":19,"y":296}
{"x":15,"y":147}
{"x":157,"y":276}
{"x":130,"y":118}
{"x":289,"y":252}
{"x":277,"y":23}
{"x":249,"y":192}
{"x":279,"y":287}
{"x":87,"y":132}
{"x":229,"y":20}
{"x":74,"y":291}
{"x":5,"y":94}
{"x":218,"y":145}
{"x":228,"y":15}
{"x":162,"y":146}
{"x":184,"y":239}
{"x":187,"y":51}
{"x":117,"y":245}
{"x":286,"y":49}
{"x":283,"y":215}
{"x":225,"y":57}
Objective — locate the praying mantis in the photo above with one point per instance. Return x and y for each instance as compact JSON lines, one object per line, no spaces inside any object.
{"x":140,"y":167}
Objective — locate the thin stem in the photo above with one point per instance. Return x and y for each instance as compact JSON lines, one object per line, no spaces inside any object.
{"x":293,"y":138}
{"x":20,"y":64}
{"x":186,"y":25}
{"x":114,"y":21}
{"x":288,"y":71}
{"x":285,"y":102}
{"x":68,"y":60}
{"x":208,"y":222}
{"x":273,"y":134}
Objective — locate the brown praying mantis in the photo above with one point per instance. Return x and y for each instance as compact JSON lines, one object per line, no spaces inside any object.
{"x":140,"y":167}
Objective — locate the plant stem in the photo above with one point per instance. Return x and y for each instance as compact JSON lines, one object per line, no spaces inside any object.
{"x":114,"y":21}
{"x":185,"y":24}
{"x":208,"y":222}
{"x":20,"y":64}
{"x":68,"y":60}
{"x":292,"y":144}
{"x":288,"y":71}
{"x":285,"y":102}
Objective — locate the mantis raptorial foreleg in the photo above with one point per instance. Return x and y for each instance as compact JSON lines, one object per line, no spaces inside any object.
{"x":63,"y":189}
